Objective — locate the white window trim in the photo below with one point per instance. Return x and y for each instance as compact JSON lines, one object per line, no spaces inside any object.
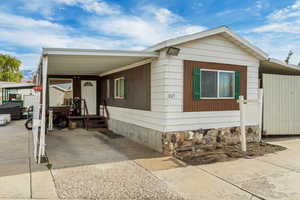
{"x":115,"y":88}
{"x":108,"y":88}
{"x":218,"y":88}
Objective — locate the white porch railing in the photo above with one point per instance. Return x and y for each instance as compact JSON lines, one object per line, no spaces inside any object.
{"x":250,"y":113}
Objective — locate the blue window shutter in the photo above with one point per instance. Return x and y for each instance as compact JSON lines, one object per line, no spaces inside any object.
{"x":196,"y":83}
{"x":237,"y":84}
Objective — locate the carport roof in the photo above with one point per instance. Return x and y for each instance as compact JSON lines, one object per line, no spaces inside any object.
{"x":12,"y":85}
{"x":275,"y":66}
{"x":66,"y":61}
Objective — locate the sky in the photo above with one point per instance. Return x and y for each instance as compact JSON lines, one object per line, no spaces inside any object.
{"x":28,"y":25}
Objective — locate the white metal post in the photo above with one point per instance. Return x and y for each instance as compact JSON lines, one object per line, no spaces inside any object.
{"x":43,"y":120}
{"x":260,"y":111}
{"x":242,"y":124}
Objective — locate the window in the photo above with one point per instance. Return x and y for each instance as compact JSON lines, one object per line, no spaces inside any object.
{"x":107,"y":89}
{"x":217,"y":84}
{"x":209,"y":84}
{"x":119,"y":88}
{"x":60,"y":92}
{"x":226,"y":84}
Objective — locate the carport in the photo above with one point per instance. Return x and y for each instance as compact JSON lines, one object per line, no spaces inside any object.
{"x":83,"y":67}
{"x":275,"y":66}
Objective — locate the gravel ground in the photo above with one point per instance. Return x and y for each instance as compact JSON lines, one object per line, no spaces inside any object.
{"x":118,"y":180}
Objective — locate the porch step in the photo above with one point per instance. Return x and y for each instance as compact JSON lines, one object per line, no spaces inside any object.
{"x":82,"y":117}
{"x":100,"y":123}
{"x":94,"y":121}
{"x":92,"y":125}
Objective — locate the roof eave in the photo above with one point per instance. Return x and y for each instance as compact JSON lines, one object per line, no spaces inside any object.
{"x":94,"y":52}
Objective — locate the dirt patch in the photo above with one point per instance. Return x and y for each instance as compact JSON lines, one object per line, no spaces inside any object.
{"x":225,"y":153}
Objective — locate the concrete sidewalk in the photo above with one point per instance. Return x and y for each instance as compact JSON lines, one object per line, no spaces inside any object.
{"x":14,"y":162}
{"x":20,"y":177}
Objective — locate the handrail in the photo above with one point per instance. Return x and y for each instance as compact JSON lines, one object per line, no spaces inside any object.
{"x":104,"y":112}
{"x":86,"y":114}
{"x":84,"y":111}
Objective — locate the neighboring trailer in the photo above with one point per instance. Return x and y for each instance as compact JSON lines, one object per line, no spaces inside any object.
{"x":281,"y":111}
{"x":29,"y":100}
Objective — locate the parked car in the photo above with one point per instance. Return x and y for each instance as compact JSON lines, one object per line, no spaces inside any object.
{"x":14,"y":109}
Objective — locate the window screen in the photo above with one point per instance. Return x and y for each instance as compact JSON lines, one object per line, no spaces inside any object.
{"x":209,"y":84}
{"x":120,"y":88}
{"x":226,"y":84}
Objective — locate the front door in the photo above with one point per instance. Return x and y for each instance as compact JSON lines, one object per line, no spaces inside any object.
{"x":89,"y":94}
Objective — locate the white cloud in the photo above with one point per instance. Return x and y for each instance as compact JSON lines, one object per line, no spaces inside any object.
{"x":286,"y":20}
{"x":162,"y":15}
{"x":277,"y":45}
{"x":255,"y":10}
{"x":99,"y":7}
{"x":43,"y":7}
{"x":112,"y":31}
{"x":285,"y":13}
{"x":20,"y":22}
{"x":28,"y":33}
{"x":280,"y":33}
{"x":155,"y":25}
{"x":288,"y":27}
{"x":47,"y":7}
{"x":94,"y":6}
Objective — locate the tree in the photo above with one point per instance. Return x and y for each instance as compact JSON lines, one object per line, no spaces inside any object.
{"x":10,"y":69}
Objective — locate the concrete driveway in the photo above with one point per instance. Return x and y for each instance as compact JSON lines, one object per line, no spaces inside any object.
{"x":87,"y":165}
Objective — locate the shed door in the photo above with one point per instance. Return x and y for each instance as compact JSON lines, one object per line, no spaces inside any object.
{"x":89,"y":93}
{"x":281,"y":110}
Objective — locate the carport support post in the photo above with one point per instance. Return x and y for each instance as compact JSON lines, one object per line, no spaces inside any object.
{"x":43,"y":120}
{"x":242,"y":124}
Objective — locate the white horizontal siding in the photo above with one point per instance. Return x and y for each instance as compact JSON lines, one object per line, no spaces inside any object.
{"x":216,"y":49}
{"x":252,"y":81}
{"x":147,"y":119}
